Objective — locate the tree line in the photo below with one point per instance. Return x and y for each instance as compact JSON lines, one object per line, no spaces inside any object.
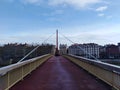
{"x":13,"y":52}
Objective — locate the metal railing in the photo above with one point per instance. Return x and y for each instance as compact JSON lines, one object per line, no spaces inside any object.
{"x":11,"y":74}
{"x":106,"y":72}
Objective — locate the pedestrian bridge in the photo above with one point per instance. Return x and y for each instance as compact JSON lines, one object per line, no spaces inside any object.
{"x":67,"y":72}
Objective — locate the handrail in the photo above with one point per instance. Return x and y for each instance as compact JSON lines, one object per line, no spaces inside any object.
{"x":103,"y":65}
{"x":12,"y":74}
{"x":4,"y":70}
{"x":106,"y":72}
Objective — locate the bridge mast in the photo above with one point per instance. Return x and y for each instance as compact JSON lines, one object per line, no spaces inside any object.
{"x":57,"y":39}
{"x":57,"y":51}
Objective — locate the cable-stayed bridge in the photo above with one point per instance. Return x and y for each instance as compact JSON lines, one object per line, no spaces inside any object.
{"x":60,"y":72}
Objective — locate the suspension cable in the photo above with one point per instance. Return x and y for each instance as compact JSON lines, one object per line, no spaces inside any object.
{"x":80,"y":48}
{"x":35,"y":49}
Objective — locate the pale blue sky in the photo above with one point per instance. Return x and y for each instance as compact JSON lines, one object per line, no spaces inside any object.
{"x":83,"y":21}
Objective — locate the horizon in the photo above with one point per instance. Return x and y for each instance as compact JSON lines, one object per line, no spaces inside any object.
{"x":35,"y":44}
{"x":82,"y":21}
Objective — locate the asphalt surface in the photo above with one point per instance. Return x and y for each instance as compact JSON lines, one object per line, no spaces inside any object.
{"x":59,"y":74}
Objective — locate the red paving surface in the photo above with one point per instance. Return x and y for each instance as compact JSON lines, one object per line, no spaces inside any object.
{"x":59,"y":74}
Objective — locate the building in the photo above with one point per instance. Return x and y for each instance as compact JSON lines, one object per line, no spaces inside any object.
{"x":53,"y":49}
{"x":102,"y":52}
{"x":63,"y":49}
{"x":88,"y":50}
{"x":73,"y":49}
{"x":91,"y":50}
{"x":119,"y":47}
{"x":110,"y":51}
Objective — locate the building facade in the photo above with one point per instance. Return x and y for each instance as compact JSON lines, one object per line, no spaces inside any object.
{"x":91,"y":50}
{"x":63,"y":49}
{"x":88,"y":50}
{"x":110,"y":51}
{"x":119,"y":47}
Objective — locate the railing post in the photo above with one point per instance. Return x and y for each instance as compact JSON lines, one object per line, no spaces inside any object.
{"x":8,"y":80}
{"x":22,"y":73}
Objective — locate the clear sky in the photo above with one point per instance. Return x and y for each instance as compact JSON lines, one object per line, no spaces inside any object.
{"x":83,"y":21}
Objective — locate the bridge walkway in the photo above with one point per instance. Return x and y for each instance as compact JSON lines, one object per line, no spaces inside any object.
{"x":59,"y":73}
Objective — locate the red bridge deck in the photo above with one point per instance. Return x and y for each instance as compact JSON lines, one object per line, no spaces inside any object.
{"x":59,"y":74}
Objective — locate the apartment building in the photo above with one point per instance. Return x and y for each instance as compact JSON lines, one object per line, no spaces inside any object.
{"x":87,"y":50}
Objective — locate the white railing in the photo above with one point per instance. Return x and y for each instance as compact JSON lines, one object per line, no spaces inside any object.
{"x":106,"y":72}
{"x":11,"y":74}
